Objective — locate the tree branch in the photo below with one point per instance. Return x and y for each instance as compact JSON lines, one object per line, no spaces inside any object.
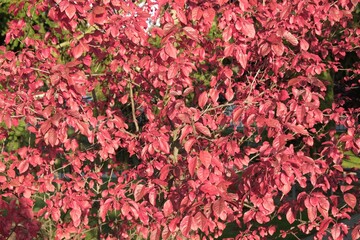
{"x":133,"y":107}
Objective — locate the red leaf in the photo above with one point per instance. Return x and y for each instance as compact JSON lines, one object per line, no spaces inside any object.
{"x":228,"y":51}
{"x":241,"y":58}
{"x":23,"y":166}
{"x":70,"y":11}
{"x":168,"y":208}
{"x":290,"y":216}
{"x":75,"y":215}
{"x":312,"y":213}
{"x":51,"y":137}
{"x":203,"y":98}
{"x":164,"y":145}
{"x":164,"y":172}
{"x":214,"y":95}
{"x":191,"y":165}
{"x":283,"y":95}
{"x":249,"y":215}
{"x":2,"y":167}
{"x":202,"y":129}
{"x":355,"y":234}
{"x":299,"y":129}
{"x":173,"y":224}
{"x":172,"y":71}
{"x":229,"y":94}
{"x":170,"y":50}
{"x":324,"y":225}
{"x":290,"y":38}
{"x":200,"y":220}
{"x":185,"y":225}
{"x":248,"y":29}
{"x":139,"y":192}
{"x":202,"y":174}
{"x":294,"y":81}
{"x":185,"y":131}
{"x":191,"y":33}
{"x":218,"y":207}
{"x":2,"y":179}
{"x":55,"y":214}
{"x":304,"y":45}
{"x":7,"y":120}
{"x":350,"y":199}
{"x":205,"y":158}
{"x":227,"y":34}
{"x":77,"y":51}
{"x":237,"y":114}
{"x":209,"y":15}
{"x":155,"y":234}
{"x":152,"y":197}
{"x":336,"y":232}
{"x":196,"y":13}
{"x":188,"y":145}
{"x":209,"y":189}
{"x":264,"y":49}
{"x":278,"y":49}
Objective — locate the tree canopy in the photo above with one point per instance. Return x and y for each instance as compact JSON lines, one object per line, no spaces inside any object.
{"x":178,"y":119}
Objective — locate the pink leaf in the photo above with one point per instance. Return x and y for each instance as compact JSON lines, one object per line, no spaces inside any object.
{"x":172,"y":71}
{"x":299,"y":129}
{"x":248,"y":29}
{"x":188,"y":145}
{"x":185,"y":225}
{"x":139,"y":192}
{"x":164,"y":145}
{"x":209,"y":189}
{"x":77,"y":51}
{"x":227,"y":34}
{"x":191,"y":33}
{"x":237,"y":114}
{"x":203,"y":98}
{"x":75,"y":215}
{"x":249,"y":215}
{"x":264,"y":49}
{"x":170,"y":50}
{"x":200,"y":220}
{"x":168,"y":208}
{"x":241,"y":58}
{"x":355,"y":234}
{"x":2,"y":167}
{"x":23,"y":166}
{"x":205,"y":158}
{"x":278,"y":49}
{"x":202,"y":129}
{"x":312,"y":213}
{"x":70,"y":11}
{"x":202,"y":174}
{"x":350,"y":199}
{"x":229,"y":94}
{"x":191,"y":165}
{"x":304,"y":45}
{"x":51,"y":137}
{"x":290,"y":38}
{"x":290,"y":216}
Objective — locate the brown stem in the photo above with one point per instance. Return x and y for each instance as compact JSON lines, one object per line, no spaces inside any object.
{"x":133,"y":106}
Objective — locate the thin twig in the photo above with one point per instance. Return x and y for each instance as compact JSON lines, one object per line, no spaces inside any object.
{"x":67,"y":43}
{"x":133,"y":106}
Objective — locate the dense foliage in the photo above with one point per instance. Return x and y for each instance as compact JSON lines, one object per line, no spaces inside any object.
{"x":178,"y":119}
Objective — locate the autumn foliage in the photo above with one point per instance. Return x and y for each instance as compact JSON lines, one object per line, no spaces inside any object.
{"x":176,"y":119}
